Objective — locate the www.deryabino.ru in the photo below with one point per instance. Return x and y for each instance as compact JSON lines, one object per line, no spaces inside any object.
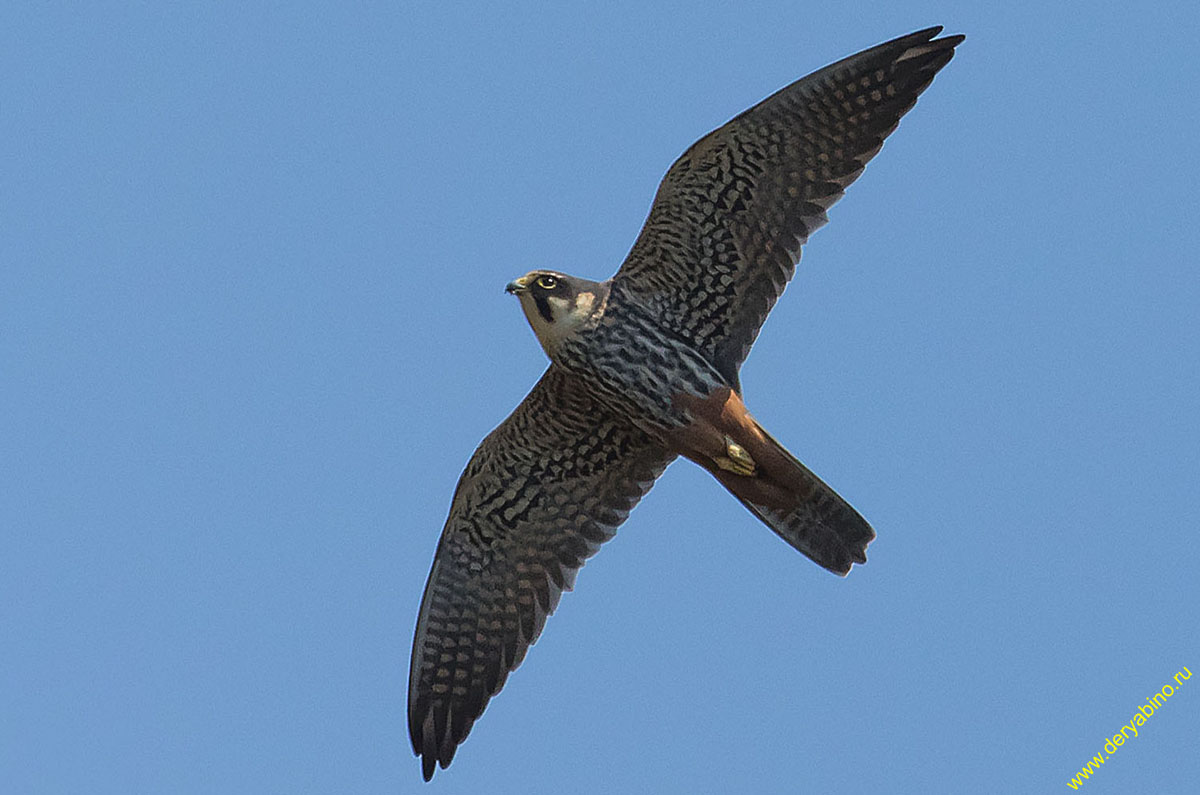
{"x":1129,"y":730}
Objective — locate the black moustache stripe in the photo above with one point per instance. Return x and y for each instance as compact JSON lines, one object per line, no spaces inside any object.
{"x":543,"y":308}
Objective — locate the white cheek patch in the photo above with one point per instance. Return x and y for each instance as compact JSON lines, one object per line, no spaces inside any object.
{"x":566,"y":316}
{"x":559,"y":308}
{"x":584,"y":304}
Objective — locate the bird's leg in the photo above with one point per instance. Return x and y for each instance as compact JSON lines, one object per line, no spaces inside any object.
{"x":736,"y":459}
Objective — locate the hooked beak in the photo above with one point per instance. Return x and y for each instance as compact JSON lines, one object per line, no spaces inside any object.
{"x":517,"y":286}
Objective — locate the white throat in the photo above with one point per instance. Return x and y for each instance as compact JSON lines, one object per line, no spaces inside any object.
{"x":566,"y":318}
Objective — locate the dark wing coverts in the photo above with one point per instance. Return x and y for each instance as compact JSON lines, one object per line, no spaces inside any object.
{"x":540,"y":495}
{"x":724,"y":233}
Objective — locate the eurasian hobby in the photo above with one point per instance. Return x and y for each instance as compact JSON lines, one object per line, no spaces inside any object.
{"x":644,"y":368}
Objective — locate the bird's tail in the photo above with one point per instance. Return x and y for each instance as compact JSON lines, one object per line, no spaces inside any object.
{"x":772,"y":483}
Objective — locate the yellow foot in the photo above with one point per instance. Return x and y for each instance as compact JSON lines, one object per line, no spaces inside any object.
{"x":736,"y":459}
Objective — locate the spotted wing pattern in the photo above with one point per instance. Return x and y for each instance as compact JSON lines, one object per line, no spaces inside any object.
{"x":540,"y":495}
{"x":724,"y":233}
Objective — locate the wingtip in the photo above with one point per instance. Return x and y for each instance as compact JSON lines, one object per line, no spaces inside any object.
{"x":930,"y":34}
{"x":950,"y":42}
{"x":430,"y":761}
{"x":426,"y":747}
{"x":947,"y":42}
{"x":923,"y":43}
{"x":928,"y":37}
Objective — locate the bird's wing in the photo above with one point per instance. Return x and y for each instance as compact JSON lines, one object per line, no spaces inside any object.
{"x":539,"y":496}
{"x":725,"y":230}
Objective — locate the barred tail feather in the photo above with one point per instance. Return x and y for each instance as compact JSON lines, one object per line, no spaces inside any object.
{"x":779,"y":490}
{"x":801,"y":508}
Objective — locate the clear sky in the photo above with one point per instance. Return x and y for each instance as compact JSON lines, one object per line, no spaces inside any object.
{"x":252,"y":325}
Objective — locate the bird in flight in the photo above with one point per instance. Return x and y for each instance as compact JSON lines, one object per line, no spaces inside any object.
{"x":644,"y":368}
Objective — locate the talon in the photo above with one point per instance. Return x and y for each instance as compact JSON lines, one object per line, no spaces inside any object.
{"x":736,"y":459}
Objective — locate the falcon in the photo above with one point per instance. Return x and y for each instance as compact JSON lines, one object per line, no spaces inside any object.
{"x":643,"y":369}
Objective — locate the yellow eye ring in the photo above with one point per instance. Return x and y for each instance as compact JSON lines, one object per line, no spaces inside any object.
{"x":547,"y":282}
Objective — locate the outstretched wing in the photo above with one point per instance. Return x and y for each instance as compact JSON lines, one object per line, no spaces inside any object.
{"x":539,"y":496}
{"x":724,"y":233}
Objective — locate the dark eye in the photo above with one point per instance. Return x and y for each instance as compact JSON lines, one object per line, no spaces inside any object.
{"x":547,"y":282}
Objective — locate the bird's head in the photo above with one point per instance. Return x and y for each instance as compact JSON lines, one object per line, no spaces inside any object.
{"x":556,"y":304}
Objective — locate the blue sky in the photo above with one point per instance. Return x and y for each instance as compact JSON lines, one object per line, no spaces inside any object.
{"x":252,"y":326}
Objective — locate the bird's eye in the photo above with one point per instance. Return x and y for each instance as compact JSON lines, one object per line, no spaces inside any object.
{"x":547,"y":282}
